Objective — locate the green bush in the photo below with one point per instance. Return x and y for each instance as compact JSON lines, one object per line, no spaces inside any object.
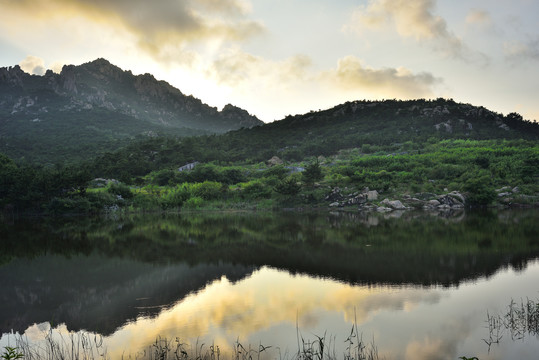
{"x":207,"y":190}
{"x":176,"y":197}
{"x":480,"y":191}
{"x":145,"y":201}
{"x":120,"y":189}
{"x":256,"y":189}
{"x":164,"y":177}
{"x":101,"y":199}
{"x":58,"y":206}
{"x":288,"y":187}
{"x":278,"y":171}
{"x":194,"y":203}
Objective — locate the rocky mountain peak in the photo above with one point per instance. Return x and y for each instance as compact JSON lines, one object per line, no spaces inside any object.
{"x":12,"y":75}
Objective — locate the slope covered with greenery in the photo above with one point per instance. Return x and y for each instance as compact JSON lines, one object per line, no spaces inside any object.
{"x":402,"y":149}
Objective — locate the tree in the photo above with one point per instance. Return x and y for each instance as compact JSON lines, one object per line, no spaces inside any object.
{"x":312,"y":173}
{"x":288,"y":187}
{"x":480,"y":190}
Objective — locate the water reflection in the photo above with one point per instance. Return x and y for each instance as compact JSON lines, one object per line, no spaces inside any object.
{"x":419,"y":285}
{"x":269,"y":306}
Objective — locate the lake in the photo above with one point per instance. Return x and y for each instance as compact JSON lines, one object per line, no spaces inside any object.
{"x":283,"y":285}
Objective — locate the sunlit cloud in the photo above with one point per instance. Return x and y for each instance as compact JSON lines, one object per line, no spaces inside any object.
{"x":56,"y":66}
{"x":234,"y":66}
{"x":411,"y":19}
{"x":162,"y":29}
{"x":36,"y":66}
{"x":352,"y":75}
{"x":253,"y":305}
{"x":33,"y":65}
{"x":445,"y":347}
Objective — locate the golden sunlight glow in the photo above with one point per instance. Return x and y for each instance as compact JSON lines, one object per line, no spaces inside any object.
{"x":224,"y":311}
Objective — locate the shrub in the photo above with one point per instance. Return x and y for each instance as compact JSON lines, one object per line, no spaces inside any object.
{"x":278,"y":171}
{"x":312,"y":173}
{"x":288,"y":187}
{"x":480,"y":191}
{"x":194,"y":202}
{"x":207,"y":190}
{"x":176,"y":197}
{"x":120,"y":189}
{"x":101,"y":199}
{"x":59,"y":206}
{"x":145,"y":201}
{"x":232,"y":176}
{"x":256,"y":189}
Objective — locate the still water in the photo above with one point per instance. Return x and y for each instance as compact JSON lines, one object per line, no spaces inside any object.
{"x":411,"y":285}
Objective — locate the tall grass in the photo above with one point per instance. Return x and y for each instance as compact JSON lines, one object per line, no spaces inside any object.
{"x":88,"y":346}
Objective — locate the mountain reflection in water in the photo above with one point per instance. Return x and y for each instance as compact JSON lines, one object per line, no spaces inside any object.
{"x":253,"y":276}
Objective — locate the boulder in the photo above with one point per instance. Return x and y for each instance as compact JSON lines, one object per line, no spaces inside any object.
{"x":431,"y":204}
{"x":414,"y":203}
{"x":393,"y":204}
{"x":457,"y":195}
{"x":275,"y":161}
{"x":372,"y":195}
{"x":383,"y":209}
{"x":397,"y":205}
{"x":334,"y":195}
{"x":356,"y":200}
{"x":450,"y":201}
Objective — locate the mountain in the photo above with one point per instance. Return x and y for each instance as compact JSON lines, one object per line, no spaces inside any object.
{"x":95,"y":107}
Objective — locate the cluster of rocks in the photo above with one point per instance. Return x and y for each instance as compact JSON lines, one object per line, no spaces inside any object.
{"x":367,"y":200}
{"x":507,"y":191}
{"x":338,"y":199}
{"x":511,"y":196}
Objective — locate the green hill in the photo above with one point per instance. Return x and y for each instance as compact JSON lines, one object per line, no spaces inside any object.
{"x":394,"y":126}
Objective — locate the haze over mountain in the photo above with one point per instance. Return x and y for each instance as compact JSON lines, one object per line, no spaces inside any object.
{"x":91,"y":108}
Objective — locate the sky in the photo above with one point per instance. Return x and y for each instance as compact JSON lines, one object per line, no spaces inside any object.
{"x":275,"y":58}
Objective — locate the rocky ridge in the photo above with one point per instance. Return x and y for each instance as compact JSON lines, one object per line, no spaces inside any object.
{"x":101,"y":85}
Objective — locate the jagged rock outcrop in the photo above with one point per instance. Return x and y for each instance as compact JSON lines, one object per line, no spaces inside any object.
{"x":99,"y":84}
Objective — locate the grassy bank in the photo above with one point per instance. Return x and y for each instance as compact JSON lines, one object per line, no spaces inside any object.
{"x":482,"y":170}
{"x":486,"y":172}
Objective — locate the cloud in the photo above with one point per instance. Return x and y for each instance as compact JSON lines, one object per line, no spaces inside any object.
{"x":400,"y":82}
{"x":237,"y":68}
{"x":451,"y":335}
{"x":518,"y":51}
{"x":246,"y":307}
{"x":479,"y":17}
{"x":234,"y":67}
{"x":411,"y":19}
{"x":167,"y":24}
{"x":33,"y":65}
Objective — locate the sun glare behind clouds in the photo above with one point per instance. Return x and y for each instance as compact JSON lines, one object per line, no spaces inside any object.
{"x":278,"y":59}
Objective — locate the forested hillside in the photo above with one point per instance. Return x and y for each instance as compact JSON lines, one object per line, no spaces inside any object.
{"x":424,"y":153}
{"x":368,"y":126}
